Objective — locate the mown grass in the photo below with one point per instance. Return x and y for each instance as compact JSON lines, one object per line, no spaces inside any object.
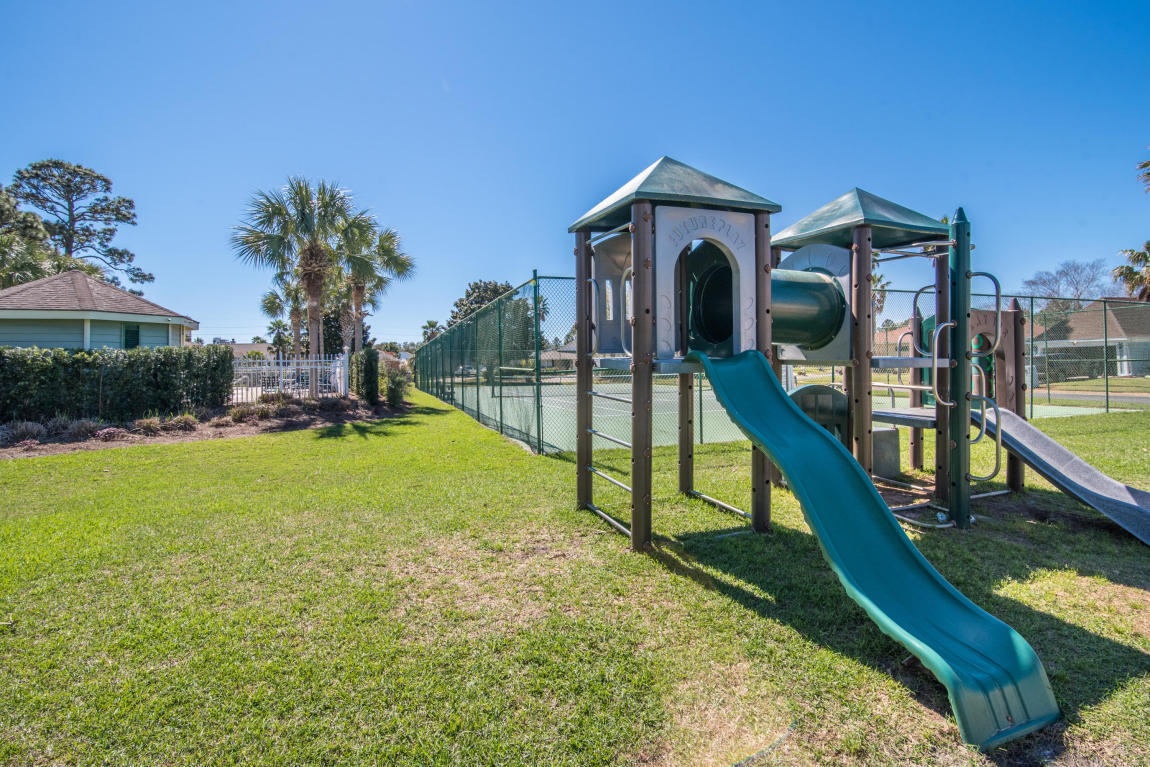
{"x":1131,"y":384}
{"x":421,"y":591}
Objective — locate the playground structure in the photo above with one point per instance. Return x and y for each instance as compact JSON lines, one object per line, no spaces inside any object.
{"x":708,"y":277}
{"x":678,"y":272}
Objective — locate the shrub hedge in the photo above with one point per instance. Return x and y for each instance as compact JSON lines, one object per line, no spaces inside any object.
{"x":396,"y":383}
{"x":364,"y":375}
{"x":112,"y":384}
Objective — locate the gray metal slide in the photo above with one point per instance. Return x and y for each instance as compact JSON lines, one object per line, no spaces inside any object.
{"x":1127,"y":506}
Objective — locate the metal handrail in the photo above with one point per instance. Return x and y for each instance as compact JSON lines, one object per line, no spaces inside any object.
{"x":934,"y":360}
{"x":624,"y":320}
{"x":997,"y":314}
{"x":908,"y":387}
{"x":898,"y":349}
{"x":916,"y":313}
{"x":594,"y":315}
{"x":982,"y":420}
{"x":604,"y":235}
{"x":997,"y":439}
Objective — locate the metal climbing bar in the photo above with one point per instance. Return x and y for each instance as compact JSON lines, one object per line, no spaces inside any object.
{"x":997,"y":314}
{"x":619,"y":526}
{"x":611,"y":397}
{"x":718,"y":503}
{"x":997,"y":439}
{"x":900,"y":483}
{"x":609,"y":478}
{"x":608,"y":437}
{"x":912,"y":506}
{"x":915,"y":311}
{"x":628,"y":308}
{"x":937,"y":365}
{"x":982,"y":405}
{"x":903,"y":249}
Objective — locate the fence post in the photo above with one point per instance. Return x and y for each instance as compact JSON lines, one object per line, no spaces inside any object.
{"x":1031,"y":369}
{"x":1046,"y":353}
{"x":475,"y":360}
{"x":699,"y":382}
{"x":1106,"y":353}
{"x":499,"y":358}
{"x":538,"y":365}
{"x":346,"y":372}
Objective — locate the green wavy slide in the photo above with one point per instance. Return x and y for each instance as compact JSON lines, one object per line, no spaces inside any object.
{"x":997,"y":685}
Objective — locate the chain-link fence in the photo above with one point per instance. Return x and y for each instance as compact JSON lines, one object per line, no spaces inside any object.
{"x":1083,"y":356}
{"x":511,"y":365}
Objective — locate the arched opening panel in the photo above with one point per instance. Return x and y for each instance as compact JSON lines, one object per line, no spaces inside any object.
{"x":708,"y":287}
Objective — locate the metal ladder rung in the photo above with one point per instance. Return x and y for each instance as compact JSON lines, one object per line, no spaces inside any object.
{"x":611,"y":397}
{"x":609,"y":478}
{"x":716,"y":502}
{"x":608,"y":437}
{"x":619,"y":526}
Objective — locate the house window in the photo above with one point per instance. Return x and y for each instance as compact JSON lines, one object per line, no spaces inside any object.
{"x":131,"y":336}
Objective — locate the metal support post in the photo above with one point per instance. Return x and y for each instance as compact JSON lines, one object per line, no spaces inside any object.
{"x":1106,"y":354}
{"x":499,"y":358}
{"x":642,"y":367}
{"x":699,"y":384}
{"x":583,"y":362}
{"x":1030,"y":353}
{"x":686,"y":432}
{"x":777,"y":366}
{"x":942,"y":439}
{"x":916,"y":379}
{"x":862,"y":332}
{"x":760,"y":464}
{"x":686,"y":391}
{"x":1015,"y":381}
{"x":478,"y":380}
{"x":959,"y":414}
{"x":538,"y":365}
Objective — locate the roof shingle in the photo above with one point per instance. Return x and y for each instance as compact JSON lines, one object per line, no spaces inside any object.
{"x":76,"y":291}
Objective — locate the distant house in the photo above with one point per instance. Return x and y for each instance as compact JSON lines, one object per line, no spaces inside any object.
{"x":390,"y":361}
{"x":1073,"y":346}
{"x":239,"y":351}
{"x":74,"y":310}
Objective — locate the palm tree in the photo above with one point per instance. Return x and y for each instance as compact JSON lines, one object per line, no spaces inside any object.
{"x":286,"y":298}
{"x":1135,"y":274}
{"x":879,"y":286}
{"x":372,"y":261}
{"x":1144,"y":176}
{"x":431,"y":329}
{"x":21,"y":261}
{"x":297,"y":230}
{"x":337,"y":301}
{"x":279,"y":332}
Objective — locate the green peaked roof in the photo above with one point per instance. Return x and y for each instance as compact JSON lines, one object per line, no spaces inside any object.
{"x":669,"y":180}
{"x":891,"y":224}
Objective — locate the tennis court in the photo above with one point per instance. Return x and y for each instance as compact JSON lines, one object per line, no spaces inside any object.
{"x":521,"y":407}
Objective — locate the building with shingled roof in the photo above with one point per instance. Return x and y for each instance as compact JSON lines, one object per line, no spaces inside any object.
{"x":74,"y":310}
{"x":1109,"y":333}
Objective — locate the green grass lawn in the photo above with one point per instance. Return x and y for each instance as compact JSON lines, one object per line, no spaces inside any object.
{"x":420,"y":591}
{"x":1135,"y":385}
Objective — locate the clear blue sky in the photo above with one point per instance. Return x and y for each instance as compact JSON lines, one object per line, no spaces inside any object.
{"x":480,"y":131}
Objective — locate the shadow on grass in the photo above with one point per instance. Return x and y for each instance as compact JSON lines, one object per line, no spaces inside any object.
{"x":787,"y":566}
{"x":377,"y":428}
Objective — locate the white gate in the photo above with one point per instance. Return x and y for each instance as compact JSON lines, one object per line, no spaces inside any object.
{"x":322,"y":377}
